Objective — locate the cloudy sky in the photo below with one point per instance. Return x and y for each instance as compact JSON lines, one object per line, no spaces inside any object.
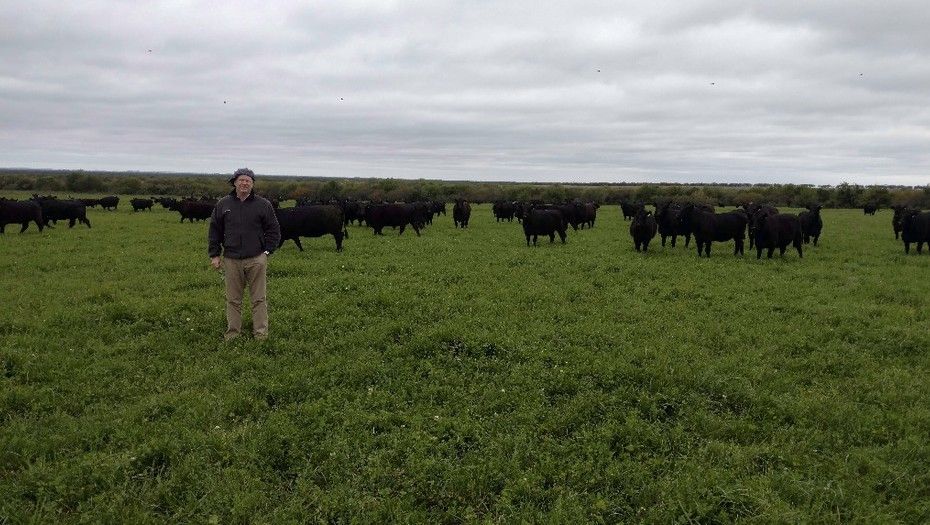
{"x":814,"y":92}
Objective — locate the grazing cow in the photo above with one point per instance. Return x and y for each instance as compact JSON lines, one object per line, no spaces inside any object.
{"x":708,"y":227}
{"x":915,"y":227}
{"x":461,"y":212}
{"x":503,"y":210}
{"x":439,"y":207}
{"x":395,"y":215}
{"x":643,"y":228}
{"x":109,"y":203}
{"x":312,"y":221}
{"x":811,"y":223}
{"x":896,"y":220}
{"x":22,"y":213}
{"x":666,"y":217}
{"x":54,"y":210}
{"x":777,"y":230}
{"x":869,"y":209}
{"x":141,"y":204}
{"x":629,"y":209}
{"x":195,"y":210}
{"x":539,"y":221}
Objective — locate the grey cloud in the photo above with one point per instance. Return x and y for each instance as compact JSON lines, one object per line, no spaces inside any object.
{"x":688,"y":91}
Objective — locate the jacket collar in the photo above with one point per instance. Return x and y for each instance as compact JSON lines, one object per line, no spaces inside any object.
{"x":250,"y":197}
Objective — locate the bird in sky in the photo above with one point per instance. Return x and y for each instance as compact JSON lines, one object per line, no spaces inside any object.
{"x":598,"y":70}
{"x":713,"y":83}
{"x":224,"y":102}
{"x":150,"y":50}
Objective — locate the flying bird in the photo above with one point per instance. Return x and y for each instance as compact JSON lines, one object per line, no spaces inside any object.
{"x":340,"y":98}
{"x":598,"y":70}
{"x":713,"y":83}
{"x":224,"y":102}
{"x":150,"y":50}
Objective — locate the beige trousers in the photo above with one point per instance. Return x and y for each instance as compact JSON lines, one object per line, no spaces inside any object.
{"x":240,"y":273}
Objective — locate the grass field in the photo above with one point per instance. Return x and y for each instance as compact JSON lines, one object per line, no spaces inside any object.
{"x":461,"y":376}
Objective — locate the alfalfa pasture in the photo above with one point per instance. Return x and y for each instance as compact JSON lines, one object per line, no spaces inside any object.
{"x":461,"y":376}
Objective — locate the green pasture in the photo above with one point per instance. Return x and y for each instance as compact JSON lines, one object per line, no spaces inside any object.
{"x":461,"y":376}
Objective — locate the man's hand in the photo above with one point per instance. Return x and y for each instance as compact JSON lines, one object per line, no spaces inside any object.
{"x":215,"y":262}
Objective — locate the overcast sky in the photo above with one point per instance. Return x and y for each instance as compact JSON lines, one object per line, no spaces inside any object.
{"x":814,"y":92}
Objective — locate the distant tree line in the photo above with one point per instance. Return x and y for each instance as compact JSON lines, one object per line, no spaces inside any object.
{"x":323,"y":189}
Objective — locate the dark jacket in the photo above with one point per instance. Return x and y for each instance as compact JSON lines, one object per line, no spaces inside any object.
{"x":243,"y":229}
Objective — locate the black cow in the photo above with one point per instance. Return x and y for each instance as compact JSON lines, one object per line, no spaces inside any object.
{"x":777,"y":230}
{"x":503,"y":210}
{"x":752,"y":211}
{"x":439,"y":207}
{"x":539,"y":221}
{"x":169,"y":203}
{"x":312,"y":221}
{"x":54,"y":210}
{"x":569,"y":212}
{"x":587,"y":214}
{"x":897,"y":219}
{"x":643,"y":228}
{"x":708,"y":227}
{"x":395,"y":215}
{"x":520,"y":209}
{"x":353,"y":211}
{"x":869,"y":209}
{"x":811,"y":223}
{"x":15,"y":212}
{"x":667,"y":214}
{"x":194,"y":210}
{"x":461,"y":213}
{"x":629,"y":209}
{"x":109,"y":203}
{"x":684,"y":227}
{"x":90,"y":203}
{"x":141,"y":204}
{"x":422,"y":213}
{"x":915,"y":227}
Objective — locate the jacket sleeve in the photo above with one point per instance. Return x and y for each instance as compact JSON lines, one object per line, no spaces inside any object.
{"x":215,"y":233}
{"x":272,"y":230}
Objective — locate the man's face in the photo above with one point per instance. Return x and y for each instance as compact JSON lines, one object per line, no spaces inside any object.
{"x":243,"y":184}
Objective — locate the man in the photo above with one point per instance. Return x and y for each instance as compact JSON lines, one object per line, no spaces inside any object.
{"x":245,"y":228}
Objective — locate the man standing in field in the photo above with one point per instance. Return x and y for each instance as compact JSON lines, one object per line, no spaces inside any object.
{"x":244,"y":227}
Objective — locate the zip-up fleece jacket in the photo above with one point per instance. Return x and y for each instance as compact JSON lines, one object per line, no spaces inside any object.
{"x":243,"y":229}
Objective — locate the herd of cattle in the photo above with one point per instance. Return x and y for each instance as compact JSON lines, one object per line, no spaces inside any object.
{"x":766,"y":227}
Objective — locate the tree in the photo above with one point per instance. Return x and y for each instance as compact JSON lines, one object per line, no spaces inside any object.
{"x":847,"y":195}
{"x":878,"y":195}
{"x":329,"y":191}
